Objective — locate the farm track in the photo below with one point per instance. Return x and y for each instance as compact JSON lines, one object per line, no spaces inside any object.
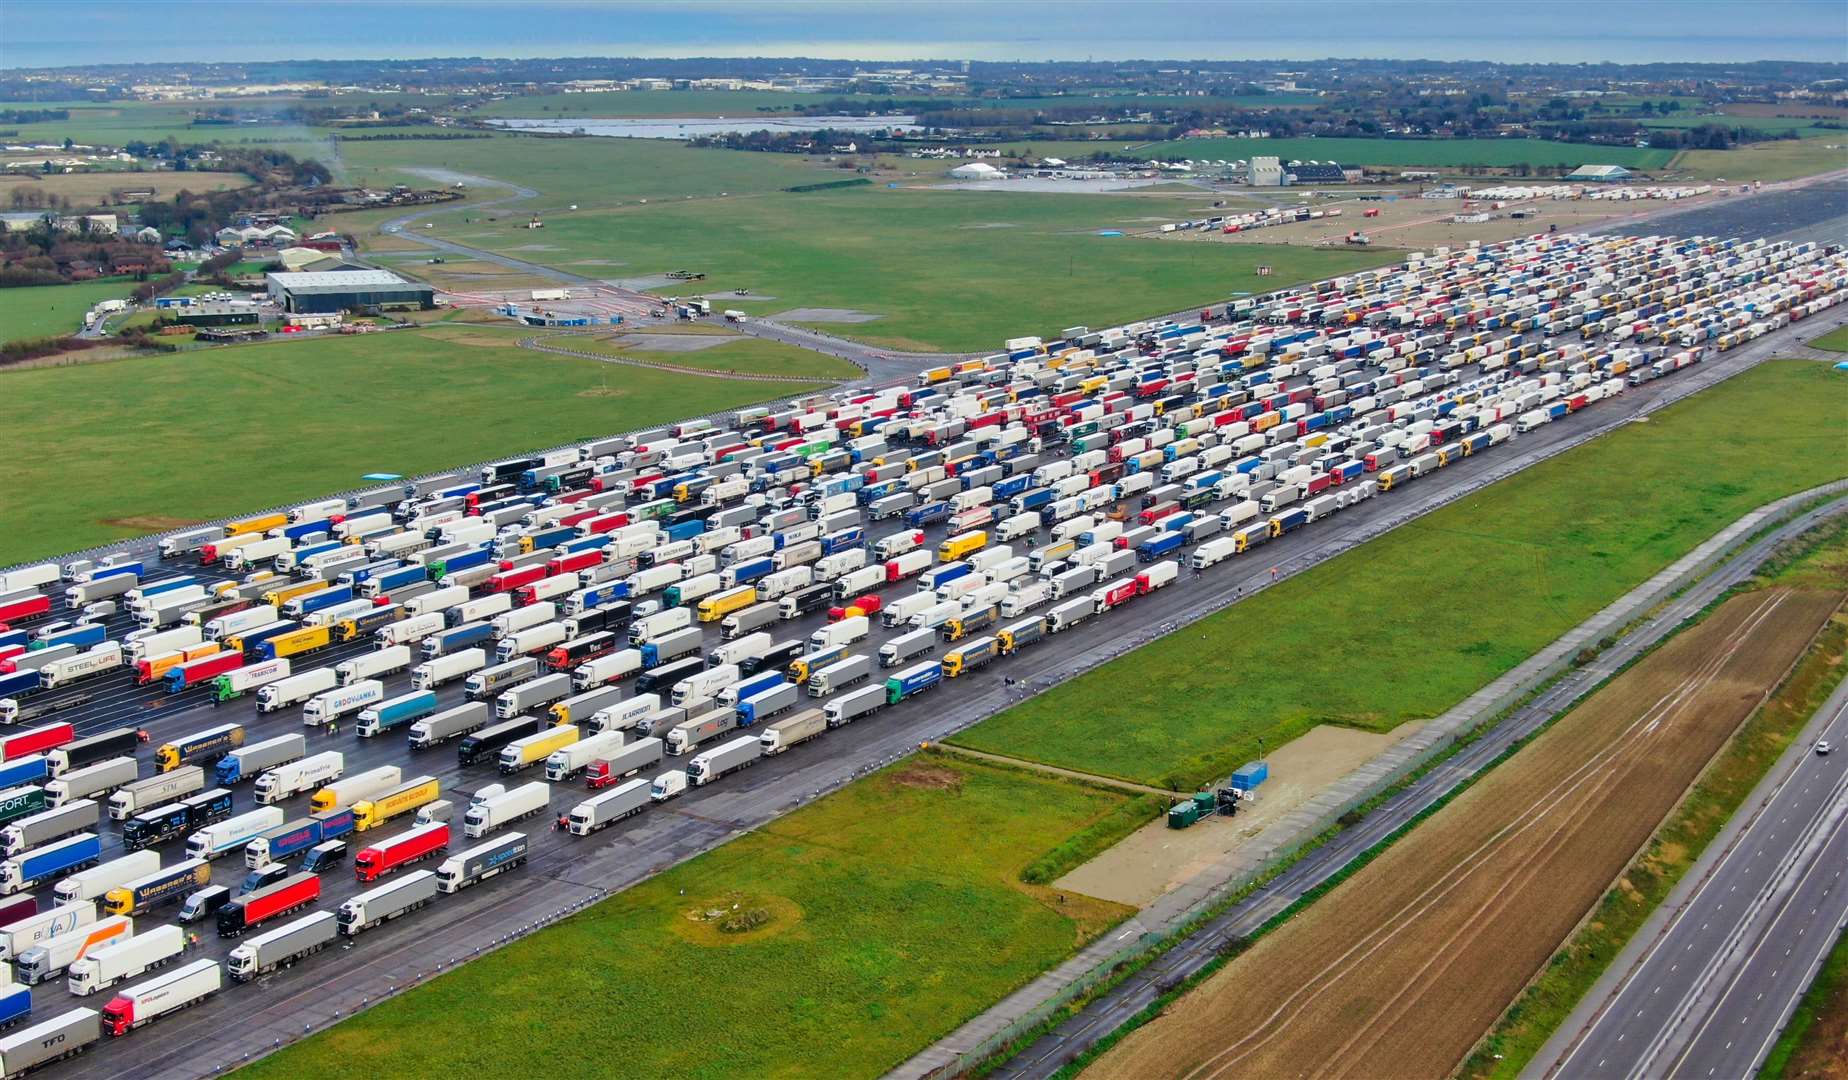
{"x":1449,"y":924}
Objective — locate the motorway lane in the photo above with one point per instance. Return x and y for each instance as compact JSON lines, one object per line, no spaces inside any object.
{"x":1715,"y":982}
{"x":564,"y":871}
{"x":1050,"y":1052}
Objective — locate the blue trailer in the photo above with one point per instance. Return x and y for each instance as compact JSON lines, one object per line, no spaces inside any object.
{"x":321,"y":598}
{"x":461,"y":560}
{"x":323,"y":526}
{"x":1289,"y":522}
{"x":15,"y":637}
{"x":115,"y":570}
{"x":1031,"y":500}
{"x":155,"y":588}
{"x":1012,"y":486}
{"x":25,"y":770}
{"x":1155,"y":547}
{"x":457,"y":637}
{"x":553,"y":537}
{"x":938,"y":576}
{"x":18,"y":683}
{"x":15,"y":1004}
{"x":842,"y":540}
{"x":685,"y":530}
{"x":292,"y":837}
{"x":381,"y":583}
{"x":929,"y":515}
{"x":82,"y":636}
{"x":747,"y":572}
{"x":56,"y":859}
{"x":757,"y":684}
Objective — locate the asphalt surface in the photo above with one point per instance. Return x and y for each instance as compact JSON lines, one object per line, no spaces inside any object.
{"x":1706,"y":988}
{"x":1105,"y":1014}
{"x":566,"y":872}
{"x":1817,"y":211}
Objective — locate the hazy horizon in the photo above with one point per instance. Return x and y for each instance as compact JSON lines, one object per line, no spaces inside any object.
{"x":51,"y":33}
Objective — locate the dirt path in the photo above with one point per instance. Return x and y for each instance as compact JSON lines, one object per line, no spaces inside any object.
{"x":1054,"y":770}
{"x":1397,"y":972}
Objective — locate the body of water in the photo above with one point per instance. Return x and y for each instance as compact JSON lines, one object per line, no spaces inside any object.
{"x":692,"y":127}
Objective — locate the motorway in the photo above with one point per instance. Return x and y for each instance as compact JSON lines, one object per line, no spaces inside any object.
{"x":565,"y":872}
{"x":1105,"y":1014}
{"x":1705,"y":988}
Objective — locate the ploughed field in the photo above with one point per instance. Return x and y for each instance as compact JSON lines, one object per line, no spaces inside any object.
{"x":1400,"y":969}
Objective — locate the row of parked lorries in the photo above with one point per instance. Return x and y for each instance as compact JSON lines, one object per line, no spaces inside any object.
{"x":571,"y":592}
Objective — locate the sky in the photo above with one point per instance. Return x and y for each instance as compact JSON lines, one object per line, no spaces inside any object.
{"x":46,"y":33}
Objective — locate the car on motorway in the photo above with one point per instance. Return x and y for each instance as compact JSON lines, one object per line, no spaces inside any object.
{"x":1823,"y":747}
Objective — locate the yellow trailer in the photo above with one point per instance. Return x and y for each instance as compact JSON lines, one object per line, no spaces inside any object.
{"x":406,"y":797}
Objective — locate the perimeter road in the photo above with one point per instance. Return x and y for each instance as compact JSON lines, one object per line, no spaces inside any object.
{"x":1705,"y":987}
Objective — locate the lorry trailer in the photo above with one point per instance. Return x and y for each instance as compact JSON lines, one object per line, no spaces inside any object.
{"x":247,"y":912}
{"x":389,"y":901}
{"x":283,"y":946}
{"x":496,"y":856}
{"x":141,"y":1005}
{"x":123,"y":959}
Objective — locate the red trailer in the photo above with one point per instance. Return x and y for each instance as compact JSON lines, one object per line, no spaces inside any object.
{"x":509,"y":580}
{"x":204,"y":669}
{"x":1120,"y":593}
{"x":292,"y":893}
{"x":24,"y":608}
{"x":414,"y":845}
{"x":577,"y":560}
{"x":36,"y":740}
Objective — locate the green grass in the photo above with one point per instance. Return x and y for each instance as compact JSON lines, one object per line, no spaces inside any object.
{"x":1804,"y":127}
{"x":589,"y":171}
{"x":1674,"y":849}
{"x":944,"y":270}
{"x":1404,"y":629}
{"x":1834,"y":341}
{"x":1783,"y":160}
{"x":203,"y":434}
{"x":1806,"y":1038}
{"x":897,"y":913}
{"x":741,"y":355}
{"x":1411,"y":153}
{"x":53,"y":310}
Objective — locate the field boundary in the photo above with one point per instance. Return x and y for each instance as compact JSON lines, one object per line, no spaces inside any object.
{"x":1177,"y":913}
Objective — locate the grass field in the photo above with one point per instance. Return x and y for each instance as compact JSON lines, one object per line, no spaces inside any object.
{"x":173,"y":439}
{"x":53,"y":310}
{"x":1435,"y":153}
{"x":113,"y":123}
{"x":946,"y":270}
{"x":1814,"y":1044}
{"x":896,"y":911}
{"x":588,"y":171}
{"x":1804,"y":127}
{"x":740,"y":355}
{"x":1340,"y":643}
{"x":1782,"y":160}
{"x":1834,"y":341}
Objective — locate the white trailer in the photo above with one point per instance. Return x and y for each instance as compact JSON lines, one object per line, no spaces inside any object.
{"x":282,"y":946}
{"x":296,"y":689}
{"x":447,"y":668}
{"x":600,"y":811}
{"x":347,"y":699}
{"x":509,"y":806}
{"x":386,"y":661}
{"x":567,"y":762}
{"x":295,"y":777}
{"x":401,"y":897}
{"x":94,"y":882}
{"x":168,"y":993}
{"x":125,"y":959}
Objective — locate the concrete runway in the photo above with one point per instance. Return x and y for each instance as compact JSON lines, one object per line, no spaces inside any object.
{"x":565,"y":872}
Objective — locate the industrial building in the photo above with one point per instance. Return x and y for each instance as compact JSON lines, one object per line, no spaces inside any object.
{"x":346,"y":290}
{"x":977,"y":170}
{"x":1316,"y":172}
{"x":1607,"y":174}
{"x":219,"y":314}
{"x":1266,"y":172}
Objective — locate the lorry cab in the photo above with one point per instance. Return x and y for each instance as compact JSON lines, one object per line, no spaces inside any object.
{"x":324,"y":856}
{"x":203,"y":903}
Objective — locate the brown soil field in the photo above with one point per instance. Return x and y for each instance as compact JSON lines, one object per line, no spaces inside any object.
{"x":1399,"y":970}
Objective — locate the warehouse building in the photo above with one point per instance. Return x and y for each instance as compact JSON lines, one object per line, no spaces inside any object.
{"x":1265,"y":172}
{"x":1606,"y":174}
{"x":218,"y":314}
{"x":1316,"y":172}
{"x":313,"y":292}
